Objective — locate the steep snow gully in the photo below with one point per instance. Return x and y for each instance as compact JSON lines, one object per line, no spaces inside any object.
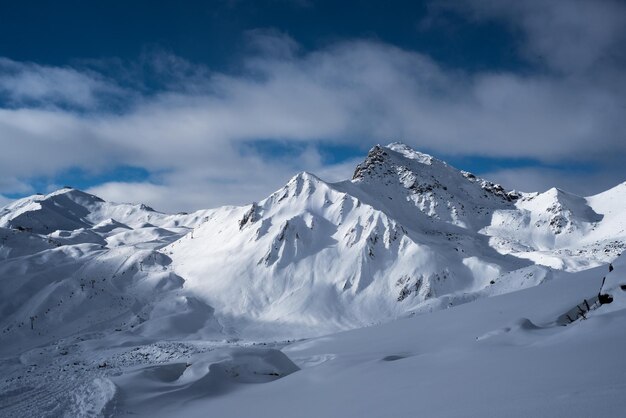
{"x":117,"y":309}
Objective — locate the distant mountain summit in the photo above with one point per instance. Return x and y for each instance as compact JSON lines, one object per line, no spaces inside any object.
{"x":407,"y":233}
{"x":432,"y":186}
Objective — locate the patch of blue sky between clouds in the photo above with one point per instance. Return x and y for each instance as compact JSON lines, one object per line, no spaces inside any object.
{"x":82,"y":179}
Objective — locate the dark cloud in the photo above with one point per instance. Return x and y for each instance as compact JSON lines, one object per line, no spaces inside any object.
{"x":570,"y":36}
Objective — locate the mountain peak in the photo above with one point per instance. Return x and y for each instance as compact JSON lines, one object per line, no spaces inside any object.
{"x":305,"y":176}
{"x":73,"y":194}
{"x":408,"y":152}
{"x":376,"y":157}
{"x":398,"y":158}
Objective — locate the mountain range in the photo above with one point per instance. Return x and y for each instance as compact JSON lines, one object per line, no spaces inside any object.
{"x":115,"y":308}
{"x":407,"y":234}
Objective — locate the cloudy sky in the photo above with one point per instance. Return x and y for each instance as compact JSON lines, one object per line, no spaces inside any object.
{"x":186,"y":105}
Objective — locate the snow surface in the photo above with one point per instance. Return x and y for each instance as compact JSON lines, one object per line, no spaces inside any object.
{"x":115,"y":309}
{"x":500,"y":356}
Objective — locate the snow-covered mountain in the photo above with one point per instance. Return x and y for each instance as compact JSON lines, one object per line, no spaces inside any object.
{"x":408,"y":234}
{"x":332,"y":256}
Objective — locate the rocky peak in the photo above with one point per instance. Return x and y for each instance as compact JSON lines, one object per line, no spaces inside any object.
{"x":373,"y":162}
{"x":421,"y":173}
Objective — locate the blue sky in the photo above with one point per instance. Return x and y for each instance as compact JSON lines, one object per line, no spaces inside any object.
{"x":213,"y":33}
{"x":184,"y":106}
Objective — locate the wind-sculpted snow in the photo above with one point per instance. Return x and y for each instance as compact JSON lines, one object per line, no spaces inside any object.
{"x":501,"y":356}
{"x":120,"y":295}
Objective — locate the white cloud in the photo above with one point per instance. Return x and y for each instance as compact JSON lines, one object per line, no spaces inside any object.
{"x":27,"y":83}
{"x":4,"y":201}
{"x":197,"y":186}
{"x":11,"y":184}
{"x":354,"y":92}
{"x":121,"y":192}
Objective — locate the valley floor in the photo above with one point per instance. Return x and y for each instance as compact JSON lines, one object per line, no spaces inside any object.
{"x":512,"y":355}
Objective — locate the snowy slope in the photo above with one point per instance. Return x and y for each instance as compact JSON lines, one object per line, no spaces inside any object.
{"x":509,"y":355}
{"x":562,"y":230}
{"x":314,"y":238}
{"x":70,"y":209}
{"x":408,"y":233}
{"x":72,"y":262}
{"x":502,"y":356}
{"x":399,"y":233}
